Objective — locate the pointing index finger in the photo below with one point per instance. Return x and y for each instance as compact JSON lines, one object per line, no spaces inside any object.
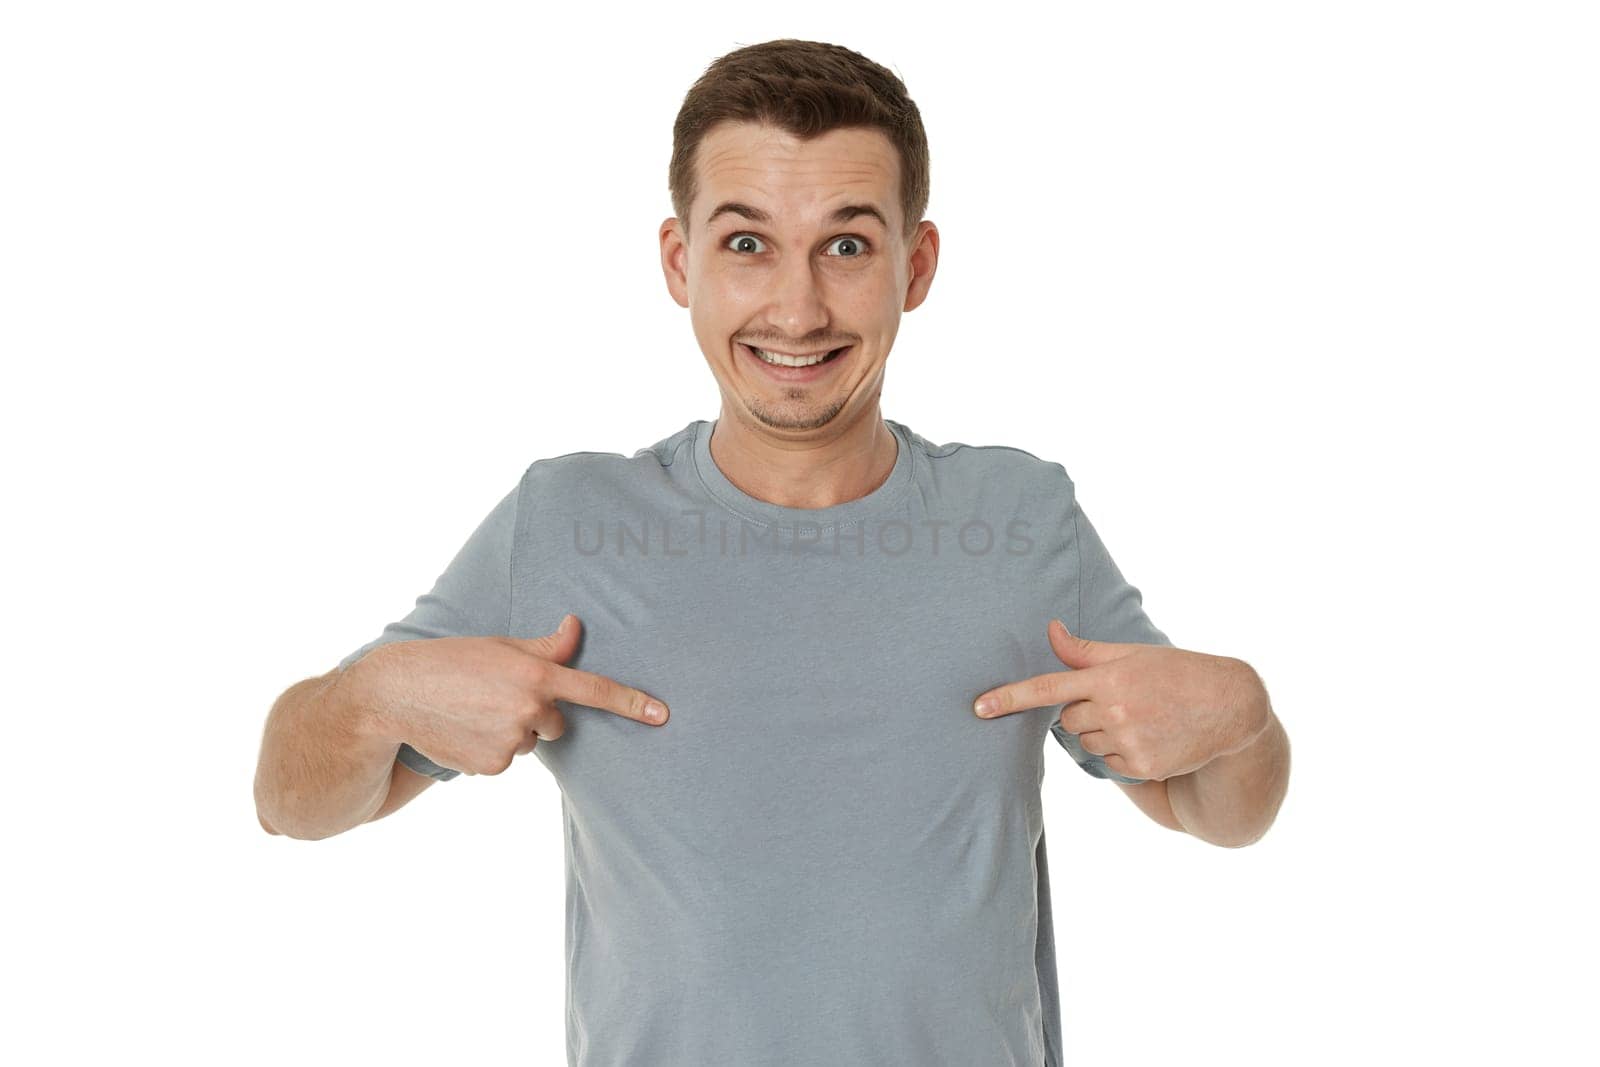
{"x":1040,"y":691}
{"x":598,"y":691}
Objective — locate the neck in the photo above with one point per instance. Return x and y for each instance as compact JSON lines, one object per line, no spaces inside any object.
{"x":813,"y":469}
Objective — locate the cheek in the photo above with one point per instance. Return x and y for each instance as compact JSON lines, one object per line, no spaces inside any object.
{"x":724,"y":299}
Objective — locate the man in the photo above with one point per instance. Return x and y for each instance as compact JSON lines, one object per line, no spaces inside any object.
{"x":818,"y":852}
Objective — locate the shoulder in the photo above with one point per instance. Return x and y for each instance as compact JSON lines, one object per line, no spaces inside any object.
{"x":993,"y":468}
{"x":585,"y":472}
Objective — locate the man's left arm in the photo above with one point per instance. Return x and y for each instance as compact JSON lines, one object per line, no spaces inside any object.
{"x":1190,"y":737}
{"x":1201,"y":726}
{"x":1231,"y":801}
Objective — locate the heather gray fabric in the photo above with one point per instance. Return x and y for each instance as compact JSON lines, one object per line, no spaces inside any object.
{"x":823,"y":857}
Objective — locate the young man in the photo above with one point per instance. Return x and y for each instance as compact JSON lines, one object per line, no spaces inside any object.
{"x":819,"y":851}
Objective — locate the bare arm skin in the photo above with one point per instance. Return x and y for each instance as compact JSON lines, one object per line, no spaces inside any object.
{"x":1151,"y":798}
{"x":323,"y":769}
{"x":328,"y":753}
{"x":404,"y":786}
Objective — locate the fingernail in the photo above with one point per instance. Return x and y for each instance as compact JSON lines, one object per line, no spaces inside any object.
{"x":655,"y":711}
{"x":984,"y":707}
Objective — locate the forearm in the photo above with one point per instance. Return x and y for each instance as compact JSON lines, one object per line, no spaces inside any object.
{"x":1232,"y":800}
{"x":322,"y":769}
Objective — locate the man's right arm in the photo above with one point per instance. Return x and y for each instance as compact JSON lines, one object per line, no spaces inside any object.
{"x":324,"y":768}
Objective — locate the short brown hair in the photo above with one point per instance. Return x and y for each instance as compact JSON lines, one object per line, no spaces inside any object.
{"x":806,"y":88}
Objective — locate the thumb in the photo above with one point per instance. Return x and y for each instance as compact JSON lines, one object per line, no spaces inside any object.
{"x":558,"y":645}
{"x":1077,"y":651}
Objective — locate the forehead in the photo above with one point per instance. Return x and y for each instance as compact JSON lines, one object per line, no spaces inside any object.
{"x":771,"y":168}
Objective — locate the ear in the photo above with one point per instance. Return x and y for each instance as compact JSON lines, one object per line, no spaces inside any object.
{"x":675,"y":261}
{"x":922,"y":260}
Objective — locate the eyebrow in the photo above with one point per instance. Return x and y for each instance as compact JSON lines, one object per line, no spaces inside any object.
{"x":755,"y":214}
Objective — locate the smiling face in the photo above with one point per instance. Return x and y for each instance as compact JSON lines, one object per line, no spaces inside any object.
{"x":797,"y":248}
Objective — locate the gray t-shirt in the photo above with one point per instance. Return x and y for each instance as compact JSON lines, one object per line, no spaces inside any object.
{"x":823,"y":857}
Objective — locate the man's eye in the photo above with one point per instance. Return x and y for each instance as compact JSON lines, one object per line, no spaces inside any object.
{"x":858,"y":244}
{"x":742,"y":242}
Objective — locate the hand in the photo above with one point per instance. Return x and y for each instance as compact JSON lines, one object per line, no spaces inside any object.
{"x":1151,"y":711}
{"x":476,"y":703}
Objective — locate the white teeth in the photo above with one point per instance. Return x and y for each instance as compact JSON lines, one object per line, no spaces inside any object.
{"x":789,"y":361}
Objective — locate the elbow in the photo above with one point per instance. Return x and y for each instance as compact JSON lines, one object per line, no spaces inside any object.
{"x":1239,"y":842}
{"x":1252,"y":839}
{"x":296,"y":825}
{"x":1247,"y":837}
{"x":302,"y":833}
{"x":282,"y":823}
{"x":260,"y":796}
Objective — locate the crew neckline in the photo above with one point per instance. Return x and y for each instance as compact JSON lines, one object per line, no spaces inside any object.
{"x":765,"y":513}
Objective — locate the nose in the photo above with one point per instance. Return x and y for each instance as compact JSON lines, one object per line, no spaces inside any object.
{"x":797,"y":306}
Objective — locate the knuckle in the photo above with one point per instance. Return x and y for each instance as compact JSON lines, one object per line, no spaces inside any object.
{"x":513,"y":738}
{"x":536,"y":672}
{"x":600,"y":690}
{"x":530,"y":716}
{"x":550,"y":726}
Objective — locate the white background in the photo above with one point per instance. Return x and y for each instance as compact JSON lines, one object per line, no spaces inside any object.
{"x":1302,"y":295}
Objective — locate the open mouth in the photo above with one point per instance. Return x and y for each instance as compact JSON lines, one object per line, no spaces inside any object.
{"x":782,"y":361}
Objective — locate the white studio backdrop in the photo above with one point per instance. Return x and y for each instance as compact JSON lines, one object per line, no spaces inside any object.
{"x":1302,"y":295}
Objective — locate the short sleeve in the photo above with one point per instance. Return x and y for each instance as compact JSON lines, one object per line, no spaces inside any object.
{"x":1109,"y":609}
{"x":472,"y":598}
